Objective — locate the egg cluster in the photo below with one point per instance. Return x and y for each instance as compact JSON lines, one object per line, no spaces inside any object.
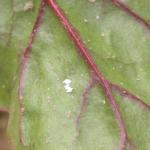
{"x":67,"y":85}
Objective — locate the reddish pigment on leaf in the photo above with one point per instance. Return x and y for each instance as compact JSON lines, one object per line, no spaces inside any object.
{"x":131,"y":13}
{"x":125,"y":93}
{"x":90,"y":62}
{"x":23,"y":65}
{"x":27,"y":51}
{"x":84,"y":101}
{"x":83,"y":50}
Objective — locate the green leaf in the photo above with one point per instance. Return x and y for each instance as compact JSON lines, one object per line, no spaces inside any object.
{"x":120,"y":46}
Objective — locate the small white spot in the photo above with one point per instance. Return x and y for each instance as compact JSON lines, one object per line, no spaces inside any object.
{"x":67,"y":86}
{"x":104,"y":102}
{"x":67,"y":81}
{"x":97,"y":17}
{"x":138,"y":79}
{"x":68,"y":89}
{"x":113,"y":56}
{"x":121,"y":83}
{"x":28,"y":6}
{"x":85,"y":20}
{"x":102,"y":34}
{"x":82,"y":75}
{"x":113,"y":68}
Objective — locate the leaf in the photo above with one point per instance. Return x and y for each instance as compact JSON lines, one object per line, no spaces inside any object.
{"x":120,"y":47}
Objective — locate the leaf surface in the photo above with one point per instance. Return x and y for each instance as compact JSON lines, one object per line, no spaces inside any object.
{"x":120,"y":47}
